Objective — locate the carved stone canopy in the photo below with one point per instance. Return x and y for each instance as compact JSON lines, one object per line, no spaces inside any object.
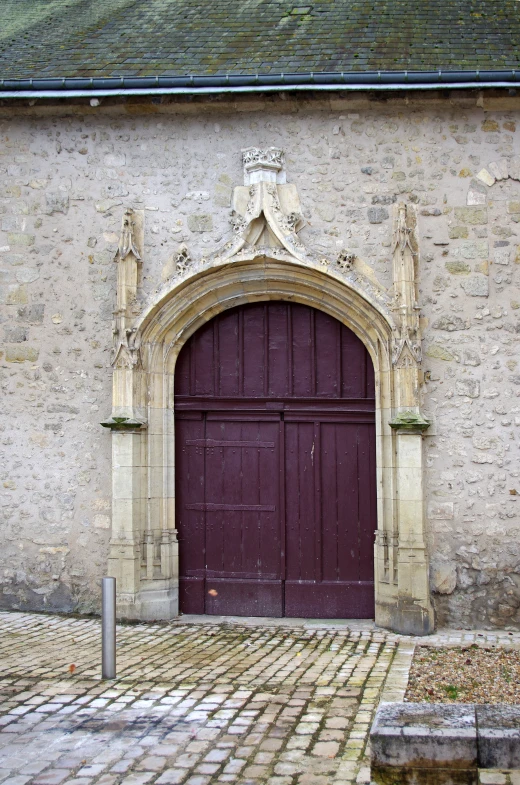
{"x":263,"y":166}
{"x":266,"y":219}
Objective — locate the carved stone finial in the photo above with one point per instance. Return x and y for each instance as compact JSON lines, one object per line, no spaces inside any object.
{"x":406,"y":351}
{"x":263,"y":166}
{"x":127,"y":238}
{"x":403,"y":232}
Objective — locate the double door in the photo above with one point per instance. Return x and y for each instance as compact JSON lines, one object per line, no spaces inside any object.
{"x":275,"y":465}
{"x":276,"y":513}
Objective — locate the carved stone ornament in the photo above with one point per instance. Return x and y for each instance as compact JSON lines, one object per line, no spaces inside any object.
{"x":238,"y":222}
{"x":263,"y":165}
{"x":406,"y":351}
{"x":406,"y":348}
{"x":127,"y":242}
{"x":182,"y":260}
{"x":345,"y":260}
{"x":126,"y":350}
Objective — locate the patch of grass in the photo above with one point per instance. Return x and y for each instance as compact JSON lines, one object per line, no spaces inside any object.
{"x":452,"y":692}
{"x":506,"y":674}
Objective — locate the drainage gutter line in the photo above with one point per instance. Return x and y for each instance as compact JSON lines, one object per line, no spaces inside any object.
{"x":77,"y":87}
{"x":223,"y":90}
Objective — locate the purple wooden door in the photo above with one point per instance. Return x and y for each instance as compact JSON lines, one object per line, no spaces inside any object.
{"x":275,"y":466}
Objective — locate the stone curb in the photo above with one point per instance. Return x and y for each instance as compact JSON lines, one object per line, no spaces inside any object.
{"x":442,"y":744}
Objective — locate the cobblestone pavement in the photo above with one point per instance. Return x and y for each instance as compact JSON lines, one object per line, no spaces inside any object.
{"x":229,"y":701}
{"x":192,"y":703}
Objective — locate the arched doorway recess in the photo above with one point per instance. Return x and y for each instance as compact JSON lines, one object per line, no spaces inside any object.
{"x":144,"y":548}
{"x":275,"y":466}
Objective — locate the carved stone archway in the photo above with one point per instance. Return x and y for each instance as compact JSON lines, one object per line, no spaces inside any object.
{"x":265,"y":260}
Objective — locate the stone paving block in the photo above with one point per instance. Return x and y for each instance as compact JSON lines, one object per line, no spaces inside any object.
{"x":54,"y":777}
{"x":171,"y":777}
{"x":498,"y":736}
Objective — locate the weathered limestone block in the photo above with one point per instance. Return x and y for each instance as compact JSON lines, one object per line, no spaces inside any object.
{"x":498,"y":169}
{"x":19,"y":238}
{"x":439,"y":352}
{"x":458,"y":232}
{"x":468,"y":387}
{"x":376,"y":215}
{"x":450,"y":323}
{"x":15,"y":334}
{"x":417,"y":744}
{"x":443,"y":577}
{"x":21,"y":354}
{"x":440,"y":510}
{"x":200,"y":222}
{"x":33,"y":314}
{"x":476,"y":194}
{"x":476,"y":286}
{"x":27,"y":274}
{"x":486,"y":177}
{"x":471,"y":215}
{"x":498,"y":736}
{"x":514,"y":167}
{"x":56,"y":202}
{"x":458,"y":267}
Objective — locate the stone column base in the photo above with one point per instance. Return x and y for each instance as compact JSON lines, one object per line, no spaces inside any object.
{"x":405,"y":616}
{"x":149,"y":605}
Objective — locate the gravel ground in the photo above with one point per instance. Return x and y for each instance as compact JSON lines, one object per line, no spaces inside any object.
{"x":469,"y":674}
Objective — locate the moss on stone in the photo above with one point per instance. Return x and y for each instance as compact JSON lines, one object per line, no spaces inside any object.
{"x":93,"y":38}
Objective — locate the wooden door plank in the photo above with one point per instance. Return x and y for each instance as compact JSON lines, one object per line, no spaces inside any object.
{"x":229,"y":363}
{"x":254,"y":356}
{"x":190,"y":523}
{"x":302,"y":355}
{"x":327,"y":337}
{"x":331,"y":474}
{"x":277,"y":352}
{"x":348,"y":503}
{"x":202,"y":380}
{"x":368,"y":495}
{"x":301,"y":553}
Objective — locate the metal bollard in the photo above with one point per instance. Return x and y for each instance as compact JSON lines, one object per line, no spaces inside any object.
{"x":108,"y":628}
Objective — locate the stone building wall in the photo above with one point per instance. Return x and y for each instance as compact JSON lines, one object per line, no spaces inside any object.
{"x":67,"y":175}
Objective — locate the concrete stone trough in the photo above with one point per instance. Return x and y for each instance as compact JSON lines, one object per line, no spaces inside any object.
{"x":437,"y":744}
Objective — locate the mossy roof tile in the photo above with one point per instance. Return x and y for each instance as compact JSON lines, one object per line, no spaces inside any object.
{"x":71,"y":38}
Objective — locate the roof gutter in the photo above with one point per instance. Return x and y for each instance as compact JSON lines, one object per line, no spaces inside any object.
{"x":99,"y":87}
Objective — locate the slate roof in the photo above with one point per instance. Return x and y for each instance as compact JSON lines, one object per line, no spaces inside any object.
{"x":101,"y":38}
